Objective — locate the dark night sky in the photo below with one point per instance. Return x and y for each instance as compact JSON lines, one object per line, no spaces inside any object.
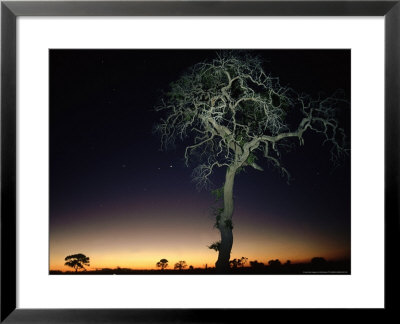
{"x":117,"y":198}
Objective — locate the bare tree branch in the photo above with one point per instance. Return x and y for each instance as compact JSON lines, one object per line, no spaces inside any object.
{"x":234,"y":111}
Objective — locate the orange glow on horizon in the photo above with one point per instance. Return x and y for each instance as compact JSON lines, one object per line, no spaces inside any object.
{"x":195,"y":251}
{"x":141,"y":244}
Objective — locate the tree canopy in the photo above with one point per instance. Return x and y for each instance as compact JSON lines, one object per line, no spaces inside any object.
{"x":77,"y":261}
{"x":163,"y":263}
{"x":236,"y":113}
{"x":180,"y":265}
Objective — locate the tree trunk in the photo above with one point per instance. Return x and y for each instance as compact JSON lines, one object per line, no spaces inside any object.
{"x":225,"y":223}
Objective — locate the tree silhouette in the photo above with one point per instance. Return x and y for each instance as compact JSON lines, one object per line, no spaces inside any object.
{"x":243,"y":261}
{"x":256,"y":265}
{"x":77,"y":261}
{"x":180,"y":265}
{"x":234,"y":263}
{"x":318,"y":261}
{"x":163,"y":263}
{"x":274,"y":263}
{"x":235,"y":114}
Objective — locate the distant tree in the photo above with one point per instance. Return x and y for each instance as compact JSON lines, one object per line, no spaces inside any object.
{"x":243,"y":261}
{"x":256,"y":265}
{"x":191,"y":267}
{"x":180,"y":265}
{"x":288,"y":263}
{"x":77,"y":261}
{"x":318,"y":261}
{"x":274,"y":263}
{"x":234,"y":263}
{"x":163,"y":263}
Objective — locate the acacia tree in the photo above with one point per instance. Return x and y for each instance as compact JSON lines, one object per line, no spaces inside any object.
{"x":163,"y":263}
{"x":235,"y":113}
{"x":77,"y":261}
{"x":180,"y":265}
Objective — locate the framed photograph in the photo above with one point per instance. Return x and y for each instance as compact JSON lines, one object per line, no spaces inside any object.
{"x":237,"y":157}
{"x":209,"y":167}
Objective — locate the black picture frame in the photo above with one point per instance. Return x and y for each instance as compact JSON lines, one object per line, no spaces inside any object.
{"x":10,"y":10}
